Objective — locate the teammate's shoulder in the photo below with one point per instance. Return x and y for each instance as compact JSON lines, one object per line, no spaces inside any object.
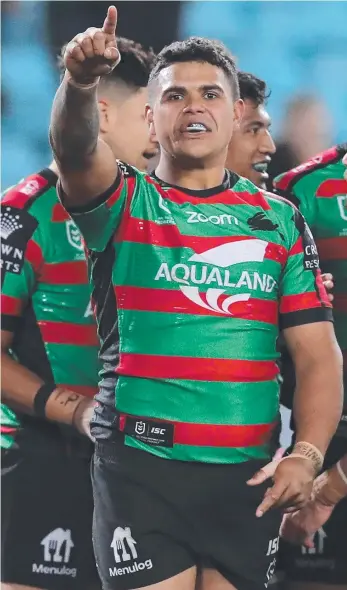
{"x":25,"y":193}
{"x":278,"y":201}
{"x":129,"y":171}
{"x":286,"y":182}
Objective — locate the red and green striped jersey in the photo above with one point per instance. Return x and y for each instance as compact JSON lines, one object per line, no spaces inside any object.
{"x":190,"y":288}
{"x":319,"y":190}
{"x":45,"y":298}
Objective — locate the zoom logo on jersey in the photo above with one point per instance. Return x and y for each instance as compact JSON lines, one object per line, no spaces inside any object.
{"x":204,"y":273}
{"x":225,"y":219}
{"x":124,"y":550}
{"x":16,"y":228}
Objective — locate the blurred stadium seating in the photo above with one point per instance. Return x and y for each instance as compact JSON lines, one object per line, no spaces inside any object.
{"x":294,"y":46}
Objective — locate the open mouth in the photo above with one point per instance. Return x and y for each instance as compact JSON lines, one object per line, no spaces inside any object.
{"x":195,"y":129}
{"x":261,"y":167}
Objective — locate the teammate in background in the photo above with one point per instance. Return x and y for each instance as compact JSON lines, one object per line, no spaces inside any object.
{"x":49,"y":349}
{"x":318,"y":188}
{"x":252,"y":146}
{"x":192,"y":250}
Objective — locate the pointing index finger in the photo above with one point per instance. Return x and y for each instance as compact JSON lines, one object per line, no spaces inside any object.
{"x":110,"y":22}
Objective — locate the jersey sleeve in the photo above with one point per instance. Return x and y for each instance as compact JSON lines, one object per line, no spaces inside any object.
{"x":100,"y":218}
{"x":303,"y":298}
{"x":21,"y":260}
{"x":300,"y":194}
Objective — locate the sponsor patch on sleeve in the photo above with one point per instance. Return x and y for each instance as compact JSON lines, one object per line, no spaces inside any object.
{"x":16,"y":228}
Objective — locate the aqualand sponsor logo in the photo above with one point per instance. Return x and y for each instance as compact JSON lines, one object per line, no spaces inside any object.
{"x":221,"y":257}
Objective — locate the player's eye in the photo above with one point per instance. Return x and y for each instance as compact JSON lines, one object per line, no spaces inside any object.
{"x":175,"y":96}
{"x":211,"y":95}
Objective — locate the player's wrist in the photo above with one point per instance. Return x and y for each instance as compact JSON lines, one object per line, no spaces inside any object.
{"x":308,"y":452}
{"x":330,"y":487}
{"x":82,"y":82}
{"x":61,"y":405}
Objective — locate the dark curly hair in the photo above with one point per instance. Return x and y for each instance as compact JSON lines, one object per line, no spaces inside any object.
{"x":198,"y":49}
{"x":253,"y":88}
{"x":134,"y":68}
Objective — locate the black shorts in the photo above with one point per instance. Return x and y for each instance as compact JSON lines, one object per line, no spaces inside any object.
{"x":47,"y":509}
{"x":154,"y":518}
{"x":327,"y":562}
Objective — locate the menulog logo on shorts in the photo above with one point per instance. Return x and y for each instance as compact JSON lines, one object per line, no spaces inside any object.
{"x":57,"y":547}
{"x":124,"y":550}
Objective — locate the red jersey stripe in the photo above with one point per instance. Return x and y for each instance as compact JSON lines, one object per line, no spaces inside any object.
{"x":300,"y":301}
{"x":214,"y":435}
{"x":34,"y":255}
{"x":297,"y":248}
{"x":11,"y":305}
{"x":227,"y":197}
{"x":148,"y":232}
{"x":20,"y":194}
{"x":60,"y":214}
{"x":174,"y":301}
{"x":65,"y":273}
{"x":200,"y":369}
{"x":8,"y":429}
{"x":332,"y":248}
{"x":63,"y":333}
{"x":130,"y":187}
{"x":332,"y":187}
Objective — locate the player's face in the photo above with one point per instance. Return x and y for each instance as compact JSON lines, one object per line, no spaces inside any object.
{"x":193,"y":113}
{"x":126,"y":130}
{"x":251,"y":146}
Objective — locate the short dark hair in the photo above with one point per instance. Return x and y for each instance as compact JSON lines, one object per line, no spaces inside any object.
{"x":133,"y":69}
{"x":253,"y":88}
{"x":198,"y":49}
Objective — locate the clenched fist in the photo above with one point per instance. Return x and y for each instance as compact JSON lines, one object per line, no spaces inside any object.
{"x":93,"y":53}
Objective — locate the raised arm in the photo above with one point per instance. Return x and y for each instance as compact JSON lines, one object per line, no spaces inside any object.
{"x":87,"y":164}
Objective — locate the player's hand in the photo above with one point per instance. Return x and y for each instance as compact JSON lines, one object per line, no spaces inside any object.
{"x":293,"y":479}
{"x":83,"y":416}
{"x":300,"y":527}
{"x":328,"y":282}
{"x":93,"y":53}
{"x":268,"y":470}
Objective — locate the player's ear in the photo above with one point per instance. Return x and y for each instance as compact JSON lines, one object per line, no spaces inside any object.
{"x":239,"y":108}
{"x":105,"y":116}
{"x":150,"y":121}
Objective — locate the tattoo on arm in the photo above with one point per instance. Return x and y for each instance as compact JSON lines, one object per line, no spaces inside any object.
{"x":74,"y":125}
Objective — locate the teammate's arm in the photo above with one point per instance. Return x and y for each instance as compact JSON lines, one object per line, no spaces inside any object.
{"x":22,"y":389}
{"x":86,"y":163}
{"x":328,"y":490}
{"x":305,"y":314}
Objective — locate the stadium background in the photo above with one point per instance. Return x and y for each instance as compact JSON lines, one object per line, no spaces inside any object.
{"x":299,"y":48}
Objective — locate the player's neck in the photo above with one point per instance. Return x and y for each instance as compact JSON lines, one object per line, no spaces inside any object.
{"x":53,"y":166}
{"x":192,"y":179}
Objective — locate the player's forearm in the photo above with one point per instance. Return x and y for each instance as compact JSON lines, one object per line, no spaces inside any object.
{"x":331,"y":486}
{"x":74,"y":126}
{"x":20,"y":389}
{"x":318,"y":398}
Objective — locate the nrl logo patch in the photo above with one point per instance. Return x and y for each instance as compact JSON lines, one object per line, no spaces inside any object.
{"x":74,"y":236}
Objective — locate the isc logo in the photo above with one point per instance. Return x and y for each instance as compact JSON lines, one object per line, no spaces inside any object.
{"x":156,"y":430}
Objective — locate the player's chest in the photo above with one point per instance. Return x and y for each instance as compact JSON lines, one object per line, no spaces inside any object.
{"x":194,"y":247}
{"x":331,"y":217}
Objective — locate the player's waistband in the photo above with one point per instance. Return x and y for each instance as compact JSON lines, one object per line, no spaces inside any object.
{"x":166,"y":433}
